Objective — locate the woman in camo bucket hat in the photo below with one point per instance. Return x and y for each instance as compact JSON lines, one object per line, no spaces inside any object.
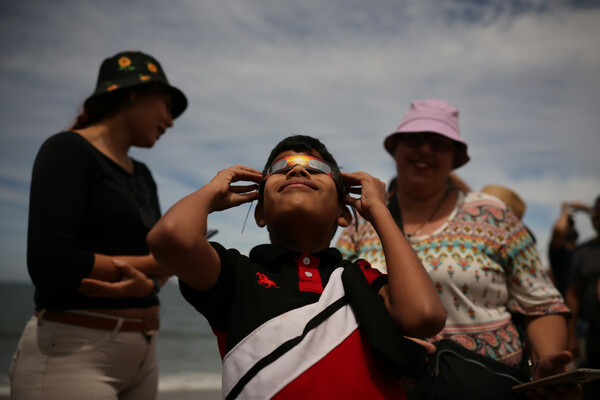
{"x":133,"y":68}
{"x":92,"y":335}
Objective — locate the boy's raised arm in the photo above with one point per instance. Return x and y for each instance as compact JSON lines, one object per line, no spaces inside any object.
{"x":409,"y":296}
{"x":178,"y":240}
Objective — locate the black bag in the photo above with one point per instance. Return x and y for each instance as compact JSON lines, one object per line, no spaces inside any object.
{"x":454,"y":372}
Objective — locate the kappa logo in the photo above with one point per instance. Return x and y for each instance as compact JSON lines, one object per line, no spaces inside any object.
{"x":265,"y":281}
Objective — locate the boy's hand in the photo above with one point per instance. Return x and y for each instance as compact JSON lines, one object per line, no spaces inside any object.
{"x":227,"y":195}
{"x":372,"y":192}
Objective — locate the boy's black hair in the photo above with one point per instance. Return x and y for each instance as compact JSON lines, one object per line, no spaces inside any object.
{"x":306,"y":144}
{"x":302,"y":144}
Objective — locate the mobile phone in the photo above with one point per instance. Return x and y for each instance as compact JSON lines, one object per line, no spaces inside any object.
{"x":572,"y":377}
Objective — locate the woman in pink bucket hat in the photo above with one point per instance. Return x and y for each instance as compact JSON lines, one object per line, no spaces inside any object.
{"x":93,"y":332}
{"x":477,"y":252}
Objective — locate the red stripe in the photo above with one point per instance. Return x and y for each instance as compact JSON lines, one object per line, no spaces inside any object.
{"x":221,"y":341}
{"x":348,"y":372}
{"x":370,"y":273}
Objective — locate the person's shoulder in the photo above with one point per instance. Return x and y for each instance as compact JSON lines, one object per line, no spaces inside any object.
{"x":65,"y":150}
{"x":592,"y":244}
{"x":222,"y":249}
{"x":482,"y":207}
{"x":65,"y":137}
{"x":479,"y":199}
{"x":65,"y":142}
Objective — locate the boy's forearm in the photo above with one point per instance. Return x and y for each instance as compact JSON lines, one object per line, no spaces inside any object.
{"x":182,"y":225}
{"x":412,"y":300}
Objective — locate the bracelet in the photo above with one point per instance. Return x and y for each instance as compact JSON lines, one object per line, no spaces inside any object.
{"x":156,"y":288}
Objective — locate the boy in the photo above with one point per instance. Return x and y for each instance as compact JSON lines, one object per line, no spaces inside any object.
{"x":282,"y":322}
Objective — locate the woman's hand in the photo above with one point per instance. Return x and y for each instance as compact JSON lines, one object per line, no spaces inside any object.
{"x":551,"y":365}
{"x":133,"y":283}
{"x":429,"y":347}
{"x":574,"y":206}
{"x":226,"y":195}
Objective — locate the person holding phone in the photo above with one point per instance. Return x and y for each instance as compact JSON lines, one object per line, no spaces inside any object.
{"x":583,"y":299}
{"x":480,"y":257}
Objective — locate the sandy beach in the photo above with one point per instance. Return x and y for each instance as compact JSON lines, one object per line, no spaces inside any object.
{"x":173,"y":395}
{"x":189,"y":395}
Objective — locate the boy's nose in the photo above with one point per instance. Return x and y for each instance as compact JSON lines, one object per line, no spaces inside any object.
{"x":298,"y":170}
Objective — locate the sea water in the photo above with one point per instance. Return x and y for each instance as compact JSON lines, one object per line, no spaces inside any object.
{"x":188,"y":356}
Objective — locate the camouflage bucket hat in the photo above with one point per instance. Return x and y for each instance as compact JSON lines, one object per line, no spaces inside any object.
{"x":134,"y":68}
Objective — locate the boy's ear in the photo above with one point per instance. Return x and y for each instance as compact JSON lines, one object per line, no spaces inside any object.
{"x":259,"y":214}
{"x":344,"y":218}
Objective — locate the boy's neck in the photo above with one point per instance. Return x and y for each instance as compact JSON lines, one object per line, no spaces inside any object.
{"x":301,"y":239}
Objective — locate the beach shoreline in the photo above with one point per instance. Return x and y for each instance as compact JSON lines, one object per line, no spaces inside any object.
{"x":208,"y":394}
{"x":189,"y":395}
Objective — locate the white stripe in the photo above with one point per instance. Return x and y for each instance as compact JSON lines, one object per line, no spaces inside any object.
{"x":269,"y":336}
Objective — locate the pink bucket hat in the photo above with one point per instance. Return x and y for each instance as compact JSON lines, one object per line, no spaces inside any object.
{"x":431,"y":115}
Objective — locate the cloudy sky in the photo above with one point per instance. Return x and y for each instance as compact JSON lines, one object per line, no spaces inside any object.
{"x":524,"y":74}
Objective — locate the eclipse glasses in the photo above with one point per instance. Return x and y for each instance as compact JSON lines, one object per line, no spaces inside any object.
{"x":309,"y":163}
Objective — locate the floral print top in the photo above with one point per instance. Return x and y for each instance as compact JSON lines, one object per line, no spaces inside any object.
{"x":485,"y":267}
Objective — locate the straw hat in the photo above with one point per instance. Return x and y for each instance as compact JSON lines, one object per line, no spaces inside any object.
{"x":510,"y":198}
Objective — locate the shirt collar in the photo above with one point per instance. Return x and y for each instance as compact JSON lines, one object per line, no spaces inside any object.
{"x":269,"y":254}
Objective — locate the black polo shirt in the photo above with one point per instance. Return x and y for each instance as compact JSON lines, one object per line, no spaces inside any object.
{"x":271,"y":281}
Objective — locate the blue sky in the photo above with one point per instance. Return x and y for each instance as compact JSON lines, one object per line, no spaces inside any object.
{"x":525,"y":76}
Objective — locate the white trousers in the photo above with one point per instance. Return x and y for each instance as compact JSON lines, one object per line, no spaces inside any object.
{"x":61,"y":361}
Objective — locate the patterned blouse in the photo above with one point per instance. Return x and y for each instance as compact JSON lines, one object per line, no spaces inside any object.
{"x":485,"y":267}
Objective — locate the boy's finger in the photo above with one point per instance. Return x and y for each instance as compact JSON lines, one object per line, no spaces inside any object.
{"x":245,"y":198}
{"x":243,"y":188}
{"x":355,"y":189}
{"x":351,"y":201}
{"x":246,"y":174}
{"x":351,"y":177}
{"x":247,"y":169}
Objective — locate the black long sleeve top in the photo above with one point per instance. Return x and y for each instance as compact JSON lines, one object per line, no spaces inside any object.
{"x":81,"y":203}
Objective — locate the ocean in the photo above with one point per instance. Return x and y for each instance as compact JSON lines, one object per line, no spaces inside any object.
{"x":187,"y":349}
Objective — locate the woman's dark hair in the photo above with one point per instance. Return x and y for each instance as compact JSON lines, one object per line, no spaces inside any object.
{"x":108,"y":105}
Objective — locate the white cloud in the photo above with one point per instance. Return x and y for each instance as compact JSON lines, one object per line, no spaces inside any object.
{"x":525,"y":80}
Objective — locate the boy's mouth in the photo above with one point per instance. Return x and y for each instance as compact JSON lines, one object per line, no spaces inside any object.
{"x":298,"y":182}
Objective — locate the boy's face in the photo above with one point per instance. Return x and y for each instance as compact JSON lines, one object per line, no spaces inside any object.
{"x":300,"y":192}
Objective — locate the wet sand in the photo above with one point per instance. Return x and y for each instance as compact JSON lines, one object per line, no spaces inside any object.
{"x":188,"y":395}
{"x":172,"y":395}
